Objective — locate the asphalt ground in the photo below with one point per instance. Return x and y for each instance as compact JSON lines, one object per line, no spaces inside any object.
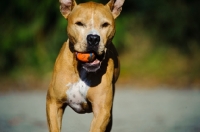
{"x":160,"y":110}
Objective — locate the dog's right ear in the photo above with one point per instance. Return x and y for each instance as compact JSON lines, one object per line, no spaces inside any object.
{"x":115,"y":7}
{"x":66,"y":7}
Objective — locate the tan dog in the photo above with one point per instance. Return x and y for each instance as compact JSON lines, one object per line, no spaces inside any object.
{"x":85,"y":86}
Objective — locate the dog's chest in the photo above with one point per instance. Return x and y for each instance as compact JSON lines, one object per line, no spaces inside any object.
{"x":76,"y":96}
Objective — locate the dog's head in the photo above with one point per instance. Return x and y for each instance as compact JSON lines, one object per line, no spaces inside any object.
{"x":91,"y":25}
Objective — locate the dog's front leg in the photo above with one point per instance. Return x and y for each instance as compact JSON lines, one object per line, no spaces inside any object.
{"x":54,"y":112}
{"x":102,"y":110}
{"x":102,"y":122}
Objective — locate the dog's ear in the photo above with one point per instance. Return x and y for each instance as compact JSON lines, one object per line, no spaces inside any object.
{"x":66,"y":7}
{"x":115,"y":7}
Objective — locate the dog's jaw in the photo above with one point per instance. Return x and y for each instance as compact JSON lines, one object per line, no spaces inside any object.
{"x":94,"y":65}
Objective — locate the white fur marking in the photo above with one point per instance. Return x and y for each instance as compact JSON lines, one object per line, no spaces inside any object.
{"x":93,"y":32}
{"x":76,"y":94}
{"x":92,"y":19}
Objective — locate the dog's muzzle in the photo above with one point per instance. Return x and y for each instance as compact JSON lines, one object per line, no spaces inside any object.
{"x":95,"y":64}
{"x":92,"y":63}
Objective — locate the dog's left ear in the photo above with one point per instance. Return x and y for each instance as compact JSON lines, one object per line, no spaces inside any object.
{"x":115,"y":7}
{"x":66,"y":7}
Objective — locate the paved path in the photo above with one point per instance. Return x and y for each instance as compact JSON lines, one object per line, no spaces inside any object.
{"x":134,"y":111}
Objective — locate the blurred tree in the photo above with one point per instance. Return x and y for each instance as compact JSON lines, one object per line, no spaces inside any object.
{"x":27,"y":29}
{"x":176,"y":22}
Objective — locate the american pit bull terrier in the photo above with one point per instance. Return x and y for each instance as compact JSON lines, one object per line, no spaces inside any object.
{"x":85,"y":86}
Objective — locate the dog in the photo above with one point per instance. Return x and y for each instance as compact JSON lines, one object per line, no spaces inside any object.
{"x":85,"y":86}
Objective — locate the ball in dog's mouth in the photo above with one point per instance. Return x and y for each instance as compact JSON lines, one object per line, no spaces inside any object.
{"x":89,"y":61}
{"x":85,"y":57}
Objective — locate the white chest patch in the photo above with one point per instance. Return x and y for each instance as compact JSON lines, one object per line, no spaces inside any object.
{"x":76,"y":95}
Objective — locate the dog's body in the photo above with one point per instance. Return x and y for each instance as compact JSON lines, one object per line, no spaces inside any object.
{"x":85,"y":87}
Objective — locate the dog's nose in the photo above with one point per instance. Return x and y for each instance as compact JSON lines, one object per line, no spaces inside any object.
{"x":93,"y":40}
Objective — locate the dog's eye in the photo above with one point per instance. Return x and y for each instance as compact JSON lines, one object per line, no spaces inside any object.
{"x":105,"y":24}
{"x":79,"y":23}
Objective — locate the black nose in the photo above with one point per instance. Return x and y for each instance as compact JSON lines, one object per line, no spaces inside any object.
{"x":93,"y":40}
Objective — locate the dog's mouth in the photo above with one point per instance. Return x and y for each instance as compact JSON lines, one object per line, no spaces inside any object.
{"x":90,"y":61}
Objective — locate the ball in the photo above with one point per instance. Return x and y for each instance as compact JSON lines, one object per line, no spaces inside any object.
{"x":85,"y":57}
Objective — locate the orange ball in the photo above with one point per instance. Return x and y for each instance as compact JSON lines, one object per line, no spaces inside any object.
{"x":85,"y":57}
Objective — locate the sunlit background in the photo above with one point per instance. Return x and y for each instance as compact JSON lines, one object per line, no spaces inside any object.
{"x":159,"y":46}
{"x":158,"y":42}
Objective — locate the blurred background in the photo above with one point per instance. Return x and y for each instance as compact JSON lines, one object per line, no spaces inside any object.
{"x":158,"y":42}
{"x":159,"y":46}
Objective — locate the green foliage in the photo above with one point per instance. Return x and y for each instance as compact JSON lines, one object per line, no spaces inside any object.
{"x":31,"y":34}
